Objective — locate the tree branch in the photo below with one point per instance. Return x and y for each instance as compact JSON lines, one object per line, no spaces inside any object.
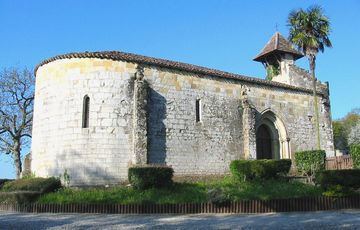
{"x":16,"y":111}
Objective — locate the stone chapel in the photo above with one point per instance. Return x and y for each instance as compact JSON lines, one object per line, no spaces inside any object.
{"x":98,"y":113}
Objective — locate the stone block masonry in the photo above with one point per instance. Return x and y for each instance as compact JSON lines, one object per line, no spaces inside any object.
{"x":101,"y":153}
{"x":143,"y":112}
{"x":176,"y":138}
{"x":140,"y":118}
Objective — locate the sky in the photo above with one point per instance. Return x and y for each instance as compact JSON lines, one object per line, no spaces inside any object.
{"x":219,"y":34}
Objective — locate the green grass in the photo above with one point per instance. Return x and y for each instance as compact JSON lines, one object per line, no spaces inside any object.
{"x":186,"y":193}
{"x":179,"y":193}
{"x":269,"y":190}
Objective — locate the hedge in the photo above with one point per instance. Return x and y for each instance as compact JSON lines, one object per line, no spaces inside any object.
{"x":251,"y":169}
{"x":355,"y":152}
{"x":42,"y":185}
{"x":3,"y":181}
{"x":345,"y":177}
{"x":22,"y":197}
{"x":309,"y":162}
{"x":148,"y":176}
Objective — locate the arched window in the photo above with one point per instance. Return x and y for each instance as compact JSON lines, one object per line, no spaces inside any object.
{"x":86,"y":109}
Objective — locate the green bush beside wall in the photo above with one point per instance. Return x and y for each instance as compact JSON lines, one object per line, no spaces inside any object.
{"x":42,"y":185}
{"x":345,"y":177}
{"x":3,"y":181}
{"x":309,"y":162}
{"x":251,"y":169}
{"x":22,"y":197}
{"x":148,"y":176}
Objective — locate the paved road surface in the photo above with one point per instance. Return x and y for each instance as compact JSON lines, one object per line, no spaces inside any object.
{"x":345,"y":219}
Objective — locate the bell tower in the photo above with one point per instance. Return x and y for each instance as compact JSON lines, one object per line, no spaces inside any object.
{"x":277,"y":56}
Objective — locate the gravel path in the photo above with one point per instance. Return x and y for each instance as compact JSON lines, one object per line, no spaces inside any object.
{"x":345,"y":219}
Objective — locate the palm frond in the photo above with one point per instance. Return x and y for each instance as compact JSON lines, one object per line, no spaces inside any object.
{"x":309,"y":29}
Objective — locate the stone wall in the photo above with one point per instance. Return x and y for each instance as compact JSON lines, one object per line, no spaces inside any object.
{"x":207,"y":147}
{"x":293,"y":75}
{"x":296,"y":76}
{"x":101,"y":153}
{"x":296,"y":111}
{"x":175,"y":137}
{"x":148,"y":114}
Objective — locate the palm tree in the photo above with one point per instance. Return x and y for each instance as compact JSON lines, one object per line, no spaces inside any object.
{"x":309,"y":31}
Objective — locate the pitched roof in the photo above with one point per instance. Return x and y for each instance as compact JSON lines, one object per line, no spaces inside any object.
{"x":129,"y":57}
{"x":277,"y":44}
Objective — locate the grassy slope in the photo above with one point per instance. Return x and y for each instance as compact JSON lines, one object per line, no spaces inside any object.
{"x":187,"y":192}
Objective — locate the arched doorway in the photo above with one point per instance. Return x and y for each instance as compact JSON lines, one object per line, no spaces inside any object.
{"x":272,"y":141}
{"x":263,"y":143}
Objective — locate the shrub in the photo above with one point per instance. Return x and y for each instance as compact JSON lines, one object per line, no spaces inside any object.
{"x":355,"y":152}
{"x":283,"y":166}
{"x":339,"y":191}
{"x":22,"y":197}
{"x":3,"y":181}
{"x":148,"y":176}
{"x":251,"y":169}
{"x":345,"y":177}
{"x":42,"y":185}
{"x":240,"y":169}
{"x":310,"y":162}
{"x":218,"y":196}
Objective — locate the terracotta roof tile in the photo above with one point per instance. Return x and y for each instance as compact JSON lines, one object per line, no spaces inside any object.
{"x":129,"y":57}
{"x":277,"y":44}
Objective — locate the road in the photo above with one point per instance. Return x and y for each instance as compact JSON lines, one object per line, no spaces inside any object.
{"x":344,"y":219}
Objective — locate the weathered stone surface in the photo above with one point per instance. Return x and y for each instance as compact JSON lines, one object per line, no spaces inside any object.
{"x":174,"y":136}
{"x":101,"y":153}
{"x":27,"y":165}
{"x":249,"y":130}
{"x":140,"y":118}
{"x":147,"y":114}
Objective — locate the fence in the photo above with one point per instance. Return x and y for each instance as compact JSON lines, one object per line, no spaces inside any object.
{"x":252,"y":206}
{"x":340,"y":162}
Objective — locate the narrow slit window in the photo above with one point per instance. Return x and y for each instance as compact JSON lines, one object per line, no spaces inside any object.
{"x":198,"y":110}
{"x":86,"y":111}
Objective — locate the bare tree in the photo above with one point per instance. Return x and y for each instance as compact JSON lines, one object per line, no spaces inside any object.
{"x":16,"y":112}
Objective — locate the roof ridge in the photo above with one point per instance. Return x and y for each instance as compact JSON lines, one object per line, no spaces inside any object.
{"x":277,"y":40}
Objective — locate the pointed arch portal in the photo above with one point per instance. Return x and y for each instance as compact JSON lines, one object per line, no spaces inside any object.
{"x":264,"y":143}
{"x":272,"y":141}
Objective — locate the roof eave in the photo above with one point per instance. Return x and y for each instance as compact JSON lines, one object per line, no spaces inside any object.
{"x":262,"y":57}
{"x":128,"y":57}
